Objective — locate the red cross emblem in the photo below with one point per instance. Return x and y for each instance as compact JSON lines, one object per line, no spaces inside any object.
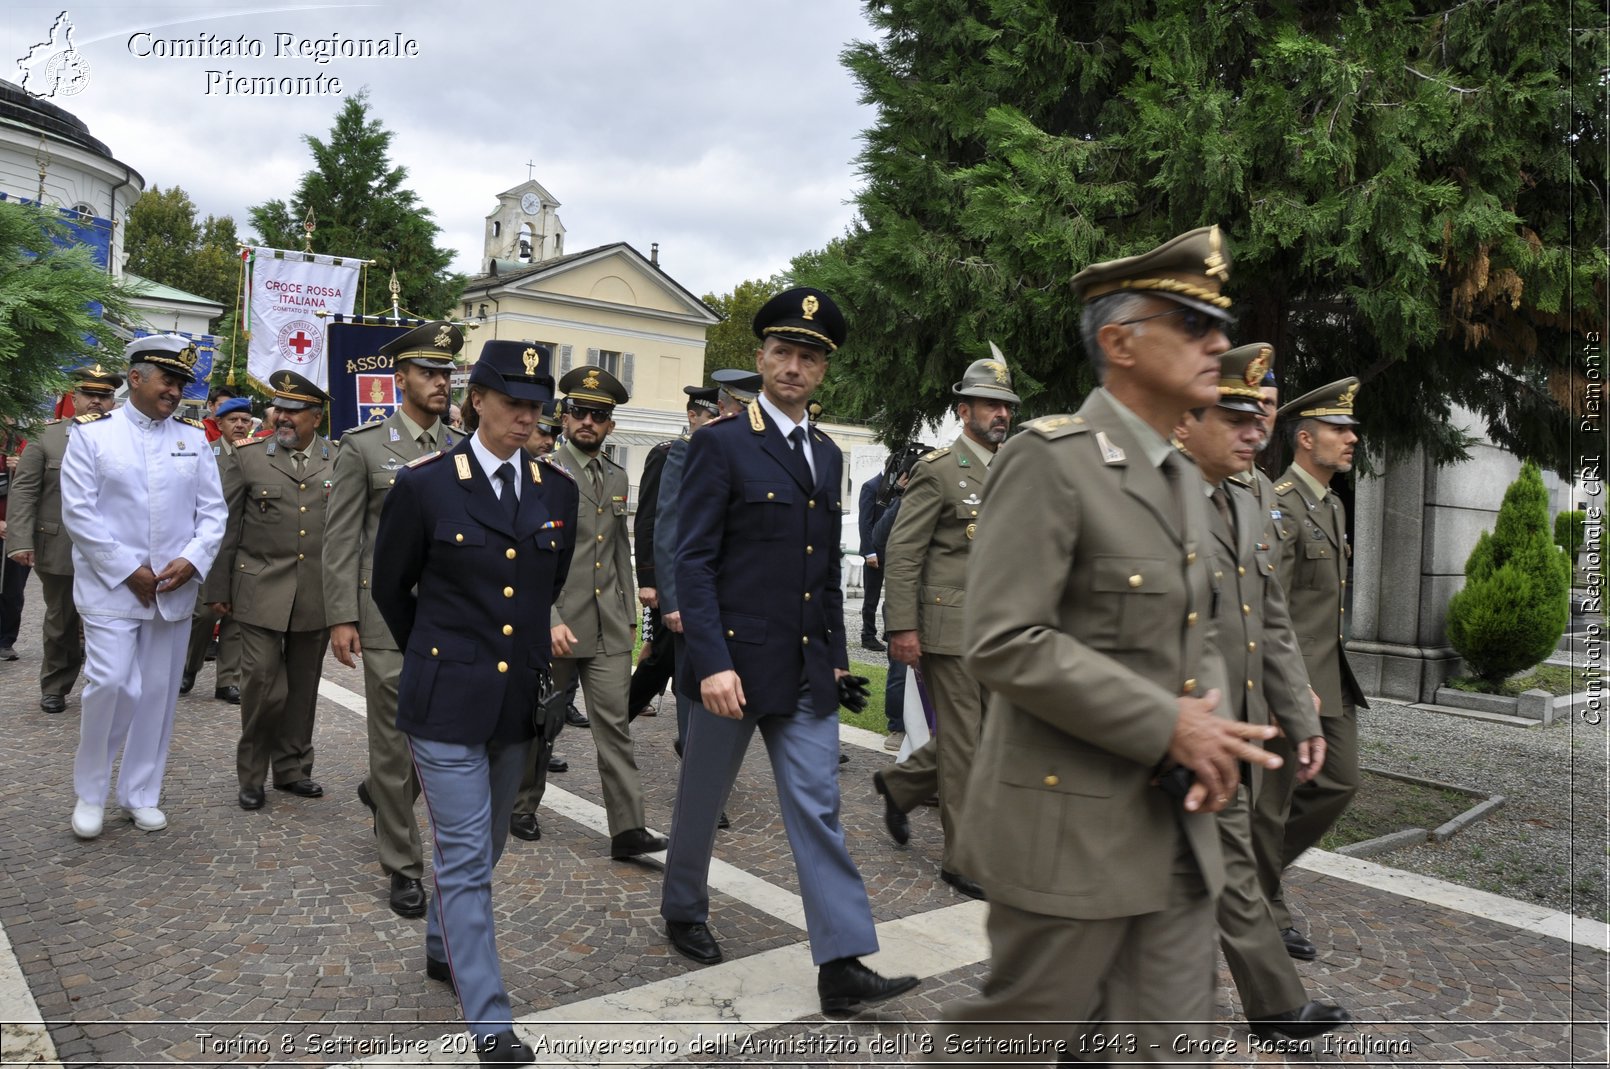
{"x":300,"y":342}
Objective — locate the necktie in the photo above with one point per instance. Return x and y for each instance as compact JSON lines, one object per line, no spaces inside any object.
{"x":1221,"y":500}
{"x":595,"y":474}
{"x":800,"y":460}
{"x":299,"y":461}
{"x":1171,"y":476}
{"x":505,"y":474}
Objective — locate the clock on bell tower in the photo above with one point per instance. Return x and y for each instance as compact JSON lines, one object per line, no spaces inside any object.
{"x":524,"y":228}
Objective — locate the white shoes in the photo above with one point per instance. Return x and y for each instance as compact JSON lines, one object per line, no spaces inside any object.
{"x":148,"y":818}
{"x":87,"y":818}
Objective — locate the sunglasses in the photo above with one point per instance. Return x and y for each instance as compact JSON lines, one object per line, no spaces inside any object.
{"x":597,"y":415}
{"x":1194,"y":324}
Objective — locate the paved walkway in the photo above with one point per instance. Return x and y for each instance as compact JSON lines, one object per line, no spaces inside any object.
{"x":260,"y":938}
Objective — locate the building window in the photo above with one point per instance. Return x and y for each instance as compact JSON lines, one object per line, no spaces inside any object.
{"x":497,"y":228}
{"x":610,"y":362}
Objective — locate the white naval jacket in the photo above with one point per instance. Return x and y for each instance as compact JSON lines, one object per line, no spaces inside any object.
{"x":139,"y":491}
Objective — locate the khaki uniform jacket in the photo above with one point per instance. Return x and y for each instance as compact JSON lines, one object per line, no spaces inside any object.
{"x":1313,"y":572}
{"x":366,"y":465}
{"x":1099,"y":616}
{"x":271,"y":566}
{"x":599,"y":596}
{"x":34,"y":513}
{"x":1263,"y":666}
{"x":925,"y":562}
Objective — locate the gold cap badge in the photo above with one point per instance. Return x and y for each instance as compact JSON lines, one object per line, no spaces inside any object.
{"x":531,"y":359}
{"x":444,"y":337}
{"x":809,"y":306}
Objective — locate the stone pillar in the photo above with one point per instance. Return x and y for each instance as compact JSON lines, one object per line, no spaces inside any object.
{"x":1413,"y":526}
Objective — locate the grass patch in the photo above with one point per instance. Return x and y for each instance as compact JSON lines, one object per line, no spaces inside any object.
{"x":1384,"y":805}
{"x":1554,"y":678}
{"x":871,"y":717}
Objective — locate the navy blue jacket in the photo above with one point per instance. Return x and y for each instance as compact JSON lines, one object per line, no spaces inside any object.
{"x":467,"y":594}
{"x":757,"y":566}
{"x":869,"y":513}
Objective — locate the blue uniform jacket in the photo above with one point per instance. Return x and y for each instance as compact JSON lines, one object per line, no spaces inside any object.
{"x":757,"y":568}
{"x":467,"y":594}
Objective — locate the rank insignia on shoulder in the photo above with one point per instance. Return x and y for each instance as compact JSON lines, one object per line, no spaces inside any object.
{"x":1283,"y":487}
{"x":1110,"y":453}
{"x":462,"y":462}
{"x":196,"y":423}
{"x":933,"y":455}
{"x":1055,"y":426}
{"x":419,"y":462}
{"x":556,"y":466}
{"x":89,"y":417}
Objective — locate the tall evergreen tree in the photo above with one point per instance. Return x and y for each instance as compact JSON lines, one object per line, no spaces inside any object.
{"x":53,"y":300}
{"x":167,"y":244}
{"x":1413,"y":193}
{"x":361,"y":207}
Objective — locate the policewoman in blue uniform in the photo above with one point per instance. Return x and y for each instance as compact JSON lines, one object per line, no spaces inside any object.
{"x":471,"y":552}
{"x":757,"y":572}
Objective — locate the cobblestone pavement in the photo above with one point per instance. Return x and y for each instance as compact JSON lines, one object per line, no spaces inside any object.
{"x":264,"y":937}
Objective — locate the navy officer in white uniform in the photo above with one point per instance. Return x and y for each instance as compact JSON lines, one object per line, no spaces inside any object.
{"x":471,"y":552}
{"x":757,"y":572}
{"x":142,"y":502}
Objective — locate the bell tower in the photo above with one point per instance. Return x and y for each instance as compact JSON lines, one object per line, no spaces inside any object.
{"x":524,"y":228}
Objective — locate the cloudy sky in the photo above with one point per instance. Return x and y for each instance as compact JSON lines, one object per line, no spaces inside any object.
{"x":725,"y":130}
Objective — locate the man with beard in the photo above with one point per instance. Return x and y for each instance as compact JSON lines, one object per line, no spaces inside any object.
{"x":1313,"y":571}
{"x":924,"y":606}
{"x":270,"y":578}
{"x":143,"y":505}
{"x":592,"y":621}
{"x":35,"y":537}
{"x":366,"y":466}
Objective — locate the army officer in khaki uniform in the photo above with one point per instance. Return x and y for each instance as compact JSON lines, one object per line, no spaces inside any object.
{"x":1096,"y":641}
{"x":592,"y":620}
{"x":1313,"y":570}
{"x":1260,"y":652}
{"x":270,"y":578}
{"x":925,"y":592}
{"x":36,"y":538}
{"x":366,"y":466}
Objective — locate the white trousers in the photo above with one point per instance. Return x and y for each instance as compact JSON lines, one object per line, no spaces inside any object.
{"x":131,"y":684}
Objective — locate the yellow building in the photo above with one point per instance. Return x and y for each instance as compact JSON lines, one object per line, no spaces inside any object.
{"x":607,"y":305}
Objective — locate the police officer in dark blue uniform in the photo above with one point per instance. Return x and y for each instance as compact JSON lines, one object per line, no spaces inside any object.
{"x":472,"y":550}
{"x":757,"y":572}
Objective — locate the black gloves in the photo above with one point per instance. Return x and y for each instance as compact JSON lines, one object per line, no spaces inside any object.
{"x":853,"y":692}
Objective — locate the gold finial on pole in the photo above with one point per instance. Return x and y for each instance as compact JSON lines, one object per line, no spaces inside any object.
{"x":308,"y":226}
{"x":396,"y":288}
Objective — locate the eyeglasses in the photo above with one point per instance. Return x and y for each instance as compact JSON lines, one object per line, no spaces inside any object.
{"x":597,"y":415}
{"x":1195,"y":325}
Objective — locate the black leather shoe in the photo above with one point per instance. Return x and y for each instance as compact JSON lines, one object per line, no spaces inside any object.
{"x":303,"y":787}
{"x":846,"y":986}
{"x":844,"y":758}
{"x":694,"y":941}
{"x":963,"y":885}
{"x":1297,"y":945}
{"x":1305,"y":1022}
{"x":558,"y":764}
{"x":186,"y":682}
{"x":504,"y":1048}
{"x":408,"y":898}
{"x":636,"y":841}
{"x":525,"y":826}
{"x":871,"y":642}
{"x":723,"y":822}
{"x":437,"y":969}
{"x":575,"y":717}
{"x":251,"y":798}
{"x":53,"y":703}
{"x":893,"y":817}
{"x":230,"y":694}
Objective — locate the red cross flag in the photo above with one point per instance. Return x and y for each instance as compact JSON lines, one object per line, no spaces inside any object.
{"x":285,"y":292}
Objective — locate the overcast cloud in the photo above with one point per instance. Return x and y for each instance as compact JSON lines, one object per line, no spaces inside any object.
{"x":726,"y":130}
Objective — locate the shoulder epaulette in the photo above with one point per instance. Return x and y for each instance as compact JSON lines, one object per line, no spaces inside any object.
{"x":252,"y":441}
{"x":664,"y":446}
{"x":89,"y":417}
{"x":371,"y":425}
{"x":196,"y":423}
{"x":1281,"y":488}
{"x":419,"y":462}
{"x":1057,"y":426}
{"x":547,"y":458}
{"x":933,"y":455}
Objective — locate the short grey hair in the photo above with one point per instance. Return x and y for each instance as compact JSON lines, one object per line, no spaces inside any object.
{"x":1112,"y":308}
{"x":145,"y":369}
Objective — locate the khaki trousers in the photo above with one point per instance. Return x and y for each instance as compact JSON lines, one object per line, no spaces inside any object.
{"x":64,"y":645}
{"x":227,"y":666}
{"x":1248,"y":932}
{"x":392,"y":781}
{"x":944,"y":762}
{"x":279,"y":695}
